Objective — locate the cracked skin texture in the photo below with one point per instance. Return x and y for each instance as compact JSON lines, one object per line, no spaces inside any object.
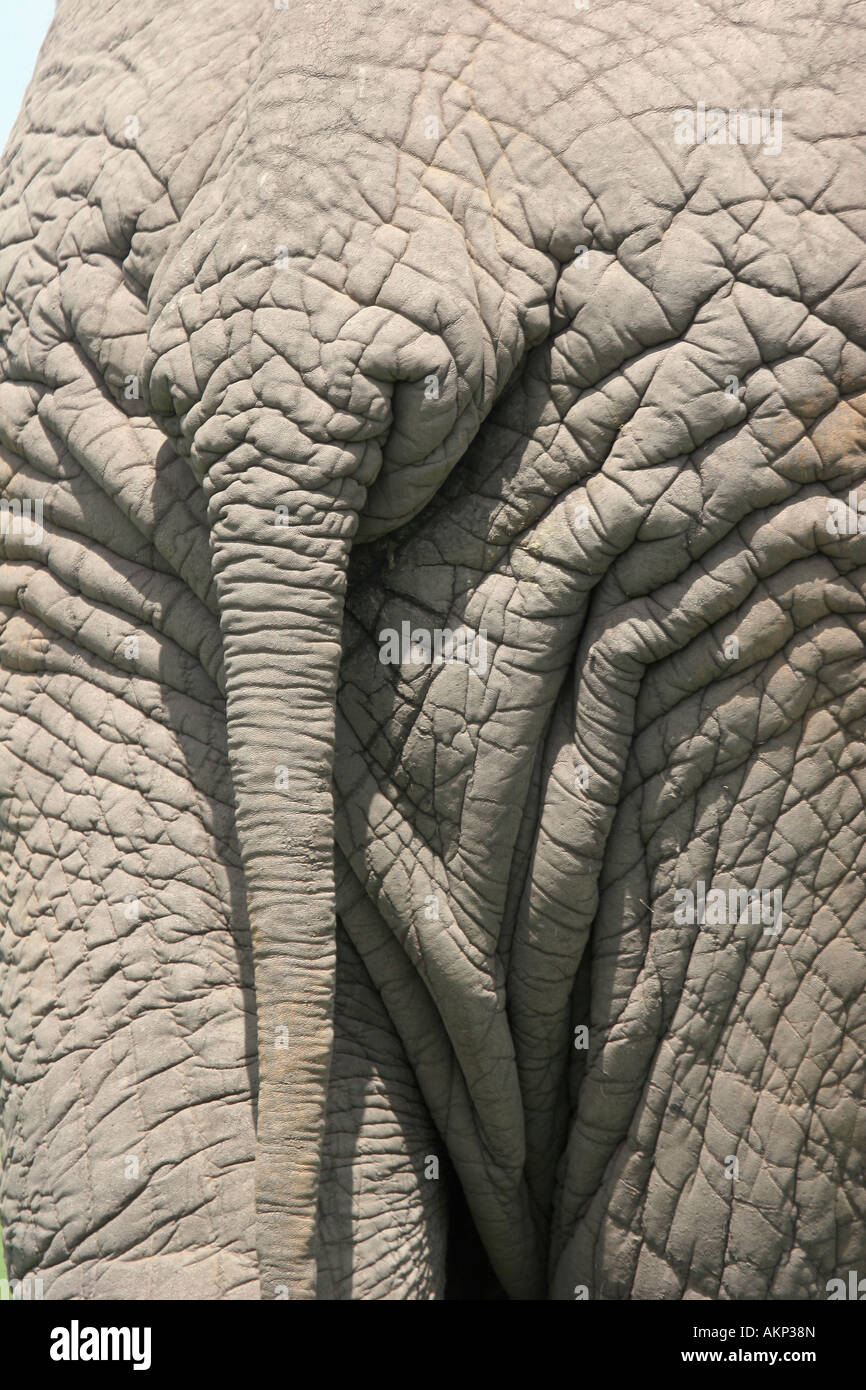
{"x":233,"y":251}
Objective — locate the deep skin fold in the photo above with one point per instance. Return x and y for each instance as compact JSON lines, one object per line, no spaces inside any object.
{"x":298,"y":381}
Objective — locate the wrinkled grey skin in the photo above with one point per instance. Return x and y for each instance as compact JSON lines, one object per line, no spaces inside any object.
{"x":315,"y":321}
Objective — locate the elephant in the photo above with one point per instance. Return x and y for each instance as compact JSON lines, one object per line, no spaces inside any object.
{"x":432,"y":607}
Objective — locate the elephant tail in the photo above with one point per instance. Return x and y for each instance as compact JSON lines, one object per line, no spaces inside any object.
{"x":280,"y":573}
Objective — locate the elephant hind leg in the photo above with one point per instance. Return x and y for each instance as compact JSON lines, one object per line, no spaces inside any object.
{"x":127,"y":1060}
{"x":383,"y":1197}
